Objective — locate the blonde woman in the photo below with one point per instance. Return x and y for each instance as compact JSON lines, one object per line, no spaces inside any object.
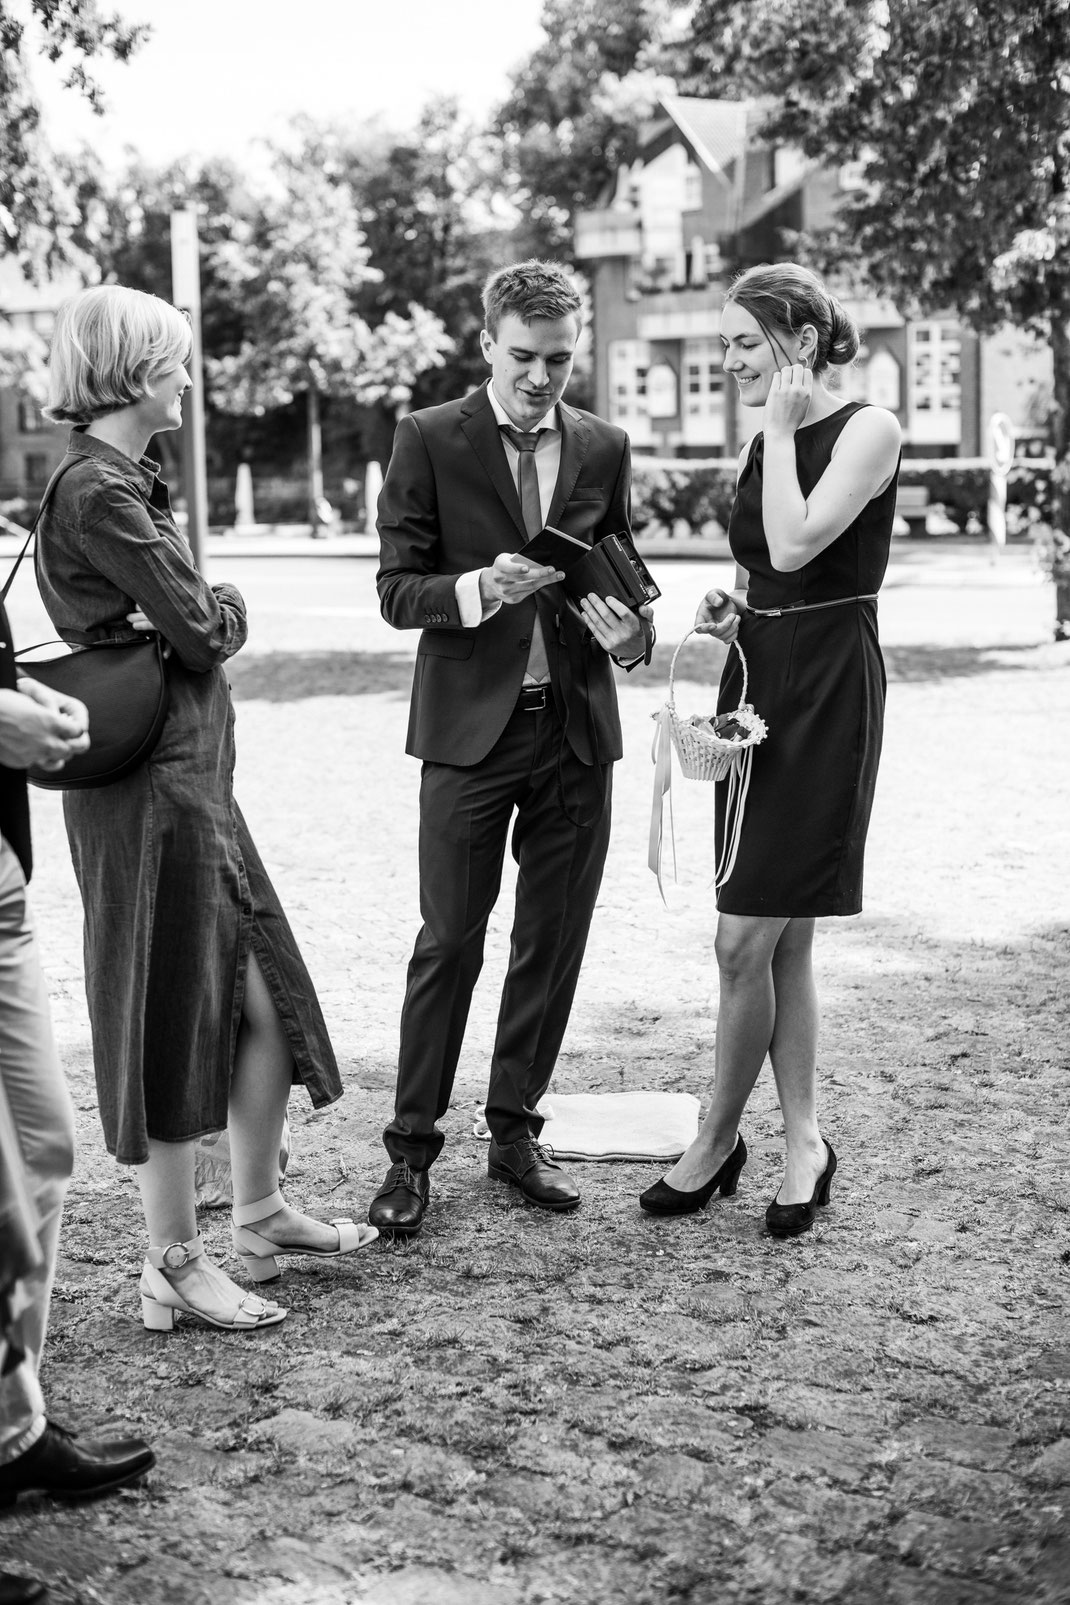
{"x":202,"y":1012}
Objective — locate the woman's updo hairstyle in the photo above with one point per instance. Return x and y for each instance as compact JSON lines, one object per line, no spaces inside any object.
{"x":785,"y":296}
{"x":108,"y":345}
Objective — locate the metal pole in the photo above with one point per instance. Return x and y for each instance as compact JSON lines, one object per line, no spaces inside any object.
{"x":186,"y":293}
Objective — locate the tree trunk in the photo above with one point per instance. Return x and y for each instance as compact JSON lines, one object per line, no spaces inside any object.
{"x":316,"y":517}
{"x":1060,"y":351}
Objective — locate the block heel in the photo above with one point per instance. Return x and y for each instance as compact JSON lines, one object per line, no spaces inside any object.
{"x":157,"y":1317}
{"x":260,"y":1268}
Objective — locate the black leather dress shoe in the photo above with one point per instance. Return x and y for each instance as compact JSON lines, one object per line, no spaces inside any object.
{"x":532,"y":1168}
{"x":399,"y":1207}
{"x":59,"y":1466}
{"x":21,"y":1590}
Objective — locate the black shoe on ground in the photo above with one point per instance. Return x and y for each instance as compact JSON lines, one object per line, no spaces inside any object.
{"x":791,"y":1220}
{"x":16,"y":1590}
{"x":399,"y":1207}
{"x":21,"y":1590}
{"x":532,"y":1168}
{"x":58,"y":1465}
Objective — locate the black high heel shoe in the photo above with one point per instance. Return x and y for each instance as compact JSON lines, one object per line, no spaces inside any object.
{"x":661,"y":1199}
{"x":791,"y":1220}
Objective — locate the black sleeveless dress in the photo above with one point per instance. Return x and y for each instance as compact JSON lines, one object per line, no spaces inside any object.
{"x":817,"y":679}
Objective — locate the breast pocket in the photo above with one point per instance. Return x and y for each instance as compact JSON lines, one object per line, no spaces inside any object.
{"x":458,"y":644}
{"x":583,"y":512}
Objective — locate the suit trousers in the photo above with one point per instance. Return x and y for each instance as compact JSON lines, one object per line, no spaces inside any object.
{"x":560,"y":838}
{"x":34,"y":1097}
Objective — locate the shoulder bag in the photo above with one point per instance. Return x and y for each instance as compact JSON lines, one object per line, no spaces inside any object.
{"x":123,"y":685}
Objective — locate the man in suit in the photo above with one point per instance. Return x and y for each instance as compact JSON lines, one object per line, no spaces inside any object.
{"x":513,"y":710}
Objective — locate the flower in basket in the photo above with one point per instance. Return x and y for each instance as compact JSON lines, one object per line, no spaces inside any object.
{"x":742,"y":727}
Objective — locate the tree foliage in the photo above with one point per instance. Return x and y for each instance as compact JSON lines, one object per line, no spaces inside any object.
{"x":23,"y":360}
{"x":575,"y":107}
{"x":37,"y":218}
{"x":425,"y":201}
{"x":297,"y":269}
{"x":959,"y":111}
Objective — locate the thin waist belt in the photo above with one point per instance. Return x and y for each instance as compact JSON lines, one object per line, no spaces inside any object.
{"x":808,"y":607}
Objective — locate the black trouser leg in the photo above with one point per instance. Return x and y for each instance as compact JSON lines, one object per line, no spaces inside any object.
{"x":561,"y":866}
{"x":464,"y":826}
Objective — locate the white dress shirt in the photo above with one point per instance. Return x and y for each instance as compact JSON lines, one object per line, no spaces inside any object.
{"x":547,"y":466}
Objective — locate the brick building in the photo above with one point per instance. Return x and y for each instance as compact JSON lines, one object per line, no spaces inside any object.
{"x":705,"y":189}
{"x":30,"y":447}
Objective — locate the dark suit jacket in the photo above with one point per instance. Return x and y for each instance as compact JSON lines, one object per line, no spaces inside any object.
{"x":449,"y":505}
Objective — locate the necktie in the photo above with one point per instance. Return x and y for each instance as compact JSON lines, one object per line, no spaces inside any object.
{"x":531,"y":506}
{"x":528,"y":482}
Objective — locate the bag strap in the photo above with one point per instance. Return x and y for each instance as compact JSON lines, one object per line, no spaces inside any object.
{"x":45,"y":499}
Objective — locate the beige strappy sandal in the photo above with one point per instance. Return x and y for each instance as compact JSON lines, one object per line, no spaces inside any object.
{"x":259,"y":1254}
{"x":161,"y":1302}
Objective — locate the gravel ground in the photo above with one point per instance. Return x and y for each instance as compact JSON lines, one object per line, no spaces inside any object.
{"x":518,"y":1408}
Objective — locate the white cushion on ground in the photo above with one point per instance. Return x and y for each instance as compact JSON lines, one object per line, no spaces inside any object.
{"x":614,"y":1125}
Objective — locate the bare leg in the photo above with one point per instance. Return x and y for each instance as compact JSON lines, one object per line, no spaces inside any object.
{"x":259,"y":1091}
{"x":167,"y":1197}
{"x":746,"y":1019}
{"x":793,"y":1052}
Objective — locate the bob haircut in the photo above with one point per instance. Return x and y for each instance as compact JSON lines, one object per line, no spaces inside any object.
{"x":785,"y":296}
{"x":530,"y":290}
{"x":108,"y":344}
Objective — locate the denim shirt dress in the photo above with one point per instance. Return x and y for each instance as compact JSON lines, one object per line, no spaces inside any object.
{"x":174,"y":893}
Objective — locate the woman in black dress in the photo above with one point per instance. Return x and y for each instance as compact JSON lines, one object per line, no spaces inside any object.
{"x":810,"y":531}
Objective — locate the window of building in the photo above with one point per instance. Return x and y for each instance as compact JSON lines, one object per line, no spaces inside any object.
{"x":703,"y":393}
{"x":692,"y":187}
{"x":29,"y":417}
{"x":35,"y":468}
{"x":629,"y":364}
{"x":934,"y":384}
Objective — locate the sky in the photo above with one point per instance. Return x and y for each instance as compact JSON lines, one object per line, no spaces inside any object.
{"x":216,"y":76}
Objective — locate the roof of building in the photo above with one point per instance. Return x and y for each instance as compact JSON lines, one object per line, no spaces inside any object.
{"x":716,"y":130}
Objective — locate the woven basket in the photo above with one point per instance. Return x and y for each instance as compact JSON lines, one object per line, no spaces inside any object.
{"x":703,"y":754}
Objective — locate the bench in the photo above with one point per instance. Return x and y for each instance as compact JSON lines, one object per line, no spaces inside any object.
{"x":912,"y":509}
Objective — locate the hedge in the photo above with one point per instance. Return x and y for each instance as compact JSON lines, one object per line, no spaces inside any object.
{"x":700,"y":490}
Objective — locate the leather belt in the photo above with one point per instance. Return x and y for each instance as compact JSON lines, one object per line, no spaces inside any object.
{"x":533,"y":699}
{"x":807,"y":607}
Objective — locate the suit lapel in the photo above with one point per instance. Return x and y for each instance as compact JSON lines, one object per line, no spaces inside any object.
{"x":481,"y":431}
{"x":575,"y":438}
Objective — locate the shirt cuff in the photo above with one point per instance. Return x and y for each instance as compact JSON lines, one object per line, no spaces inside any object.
{"x":470,"y":603}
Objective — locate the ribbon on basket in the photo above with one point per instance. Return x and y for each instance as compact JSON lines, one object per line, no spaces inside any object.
{"x":718,"y":748}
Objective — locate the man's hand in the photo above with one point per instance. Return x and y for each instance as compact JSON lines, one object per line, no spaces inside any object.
{"x":614,"y":626}
{"x":39,"y":726}
{"x":509,"y":579}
